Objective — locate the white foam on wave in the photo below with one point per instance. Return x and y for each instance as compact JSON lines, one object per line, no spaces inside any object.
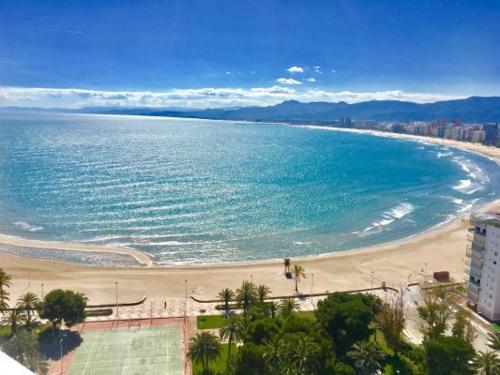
{"x":468,"y":187}
{"x":28,"y":227}
{"x":440,"y":155}
{"x":398,"y":212}
{"x":477,"y":178}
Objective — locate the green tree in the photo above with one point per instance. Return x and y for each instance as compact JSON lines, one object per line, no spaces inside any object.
{"x":367,"y":357}
{"x":436,"y":310}
{"x":5,"y":283}
{"x":246,"y":295}
{"x":232,"y":331}
{"x":226,"y":296}
{"x":262,"y":330}
{"x":28,"y":302}
{"x":494,"y":340}
{"x":346,"y":318}
{"x":13,"y":318}
{"x":463,"y":326}
{"x":23,"y":347}
{"x":250,"y":360}
{"x":298,"y":273}
{"x":391,"y":320}
{"x":204,"y":348}
{"x":262,"y":293}
{"x":63,"y":305}
{"x":488,"y":363}
{"x":288,"y":306}
{"x":449,"y":356}
{"x":272,"y":308}
{"x":305,"y":352}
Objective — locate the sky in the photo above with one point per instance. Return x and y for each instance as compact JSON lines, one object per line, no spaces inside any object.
{"x":207,"y":53}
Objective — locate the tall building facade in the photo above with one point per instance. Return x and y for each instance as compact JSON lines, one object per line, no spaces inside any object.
{"x":483,"y":252}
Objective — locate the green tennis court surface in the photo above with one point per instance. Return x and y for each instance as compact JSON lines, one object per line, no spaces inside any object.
{"x":129,"y":351}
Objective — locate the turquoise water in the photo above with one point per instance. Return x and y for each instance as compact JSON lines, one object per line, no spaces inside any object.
{"x":194,"y":191}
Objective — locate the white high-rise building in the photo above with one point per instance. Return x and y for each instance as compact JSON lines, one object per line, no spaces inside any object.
{"x":483,"y":251}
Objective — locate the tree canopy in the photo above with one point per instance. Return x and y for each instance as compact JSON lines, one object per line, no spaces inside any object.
{"x":63,"y":305}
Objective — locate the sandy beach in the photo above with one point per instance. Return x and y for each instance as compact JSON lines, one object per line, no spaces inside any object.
{"x":411,"y":259}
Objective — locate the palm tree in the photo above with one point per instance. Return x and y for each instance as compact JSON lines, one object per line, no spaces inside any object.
{"x":5,"y":282}
{"x":23,"y":348}
{"x":367,"y":357}
{"x":288,"y":306}
{"x":28,"y":302}
{"x":272,"y":307}
{"x":226,"y":295}
{"x":488,"y":363}
{"x":231,"y":330}
{"x":273,"y":352}
{"x":204,"y":348}
{"x":13,"y":318}
{"x":298,"y":273}
{"x":262,"y":293}
{"x":245,"y":296}
{"x":304,"y":351}
{"x":494,"y":340}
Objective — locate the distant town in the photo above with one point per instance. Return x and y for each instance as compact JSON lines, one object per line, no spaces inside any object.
{"x":485,"y":133}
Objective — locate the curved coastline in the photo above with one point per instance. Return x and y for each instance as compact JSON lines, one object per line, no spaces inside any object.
{"x":144,"y":259}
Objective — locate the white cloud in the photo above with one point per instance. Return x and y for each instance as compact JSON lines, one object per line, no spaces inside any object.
{"x":228,"y":72}
{"x":295,"y":69}
{"x":288,"y":81}
{"x":334,"y":71}
{"x":195,"y":98}
{"x":317,"y":69}
{"x":311,"y":79}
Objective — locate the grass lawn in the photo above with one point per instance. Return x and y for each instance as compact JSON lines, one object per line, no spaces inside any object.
{"x":4,"y":331}
{"x":209,"y":321}
{"x":496,"y":326}
{"x":218,"y":367}
{"x":305,"y":314}
{"x":393,"y":363}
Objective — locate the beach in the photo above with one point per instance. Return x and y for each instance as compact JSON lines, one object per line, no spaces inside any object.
{"x":396,"y":263}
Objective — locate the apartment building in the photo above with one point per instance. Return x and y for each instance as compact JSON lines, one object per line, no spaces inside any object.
{"x":483,"y":253}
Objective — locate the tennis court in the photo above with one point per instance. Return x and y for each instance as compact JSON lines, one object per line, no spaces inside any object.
{"x":133,"y":350}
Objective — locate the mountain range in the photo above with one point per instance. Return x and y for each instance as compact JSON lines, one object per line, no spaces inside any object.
{"x":473,"y":109}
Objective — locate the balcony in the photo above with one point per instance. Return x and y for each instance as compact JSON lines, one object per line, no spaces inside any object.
{"x":476,"y":238}
{"x":472,"y":295}
{"x":471,"y":247}
{"x":475,"y":271}
{"x":473,"y":286}
{"x":474,"y":254}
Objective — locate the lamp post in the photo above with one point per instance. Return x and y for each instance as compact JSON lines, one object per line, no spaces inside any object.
{"x":372,"y":278}
{"x":186,"y":298}
{"x":312,"y":287}
{"x":42,"y":291}
{"x":61,"y":352}
{"x":116,"y":298}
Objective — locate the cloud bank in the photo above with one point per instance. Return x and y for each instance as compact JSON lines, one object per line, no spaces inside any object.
{"x":195,"y":98}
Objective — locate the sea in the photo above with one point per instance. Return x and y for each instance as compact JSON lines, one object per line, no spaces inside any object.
{"x":192,"y":192}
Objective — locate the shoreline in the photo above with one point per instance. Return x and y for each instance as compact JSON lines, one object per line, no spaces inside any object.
{"x":490,"y":152}
{"x":441,"y":247}
{"x":396,"y":263}
{"x":143,"y":259}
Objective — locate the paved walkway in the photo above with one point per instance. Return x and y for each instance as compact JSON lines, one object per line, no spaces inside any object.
{"x":176,"y":307}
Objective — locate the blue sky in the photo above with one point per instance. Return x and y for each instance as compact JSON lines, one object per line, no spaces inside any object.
{"x":94,"y":52}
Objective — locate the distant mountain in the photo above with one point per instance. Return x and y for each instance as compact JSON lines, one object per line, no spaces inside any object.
{"x":473,"y":109}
